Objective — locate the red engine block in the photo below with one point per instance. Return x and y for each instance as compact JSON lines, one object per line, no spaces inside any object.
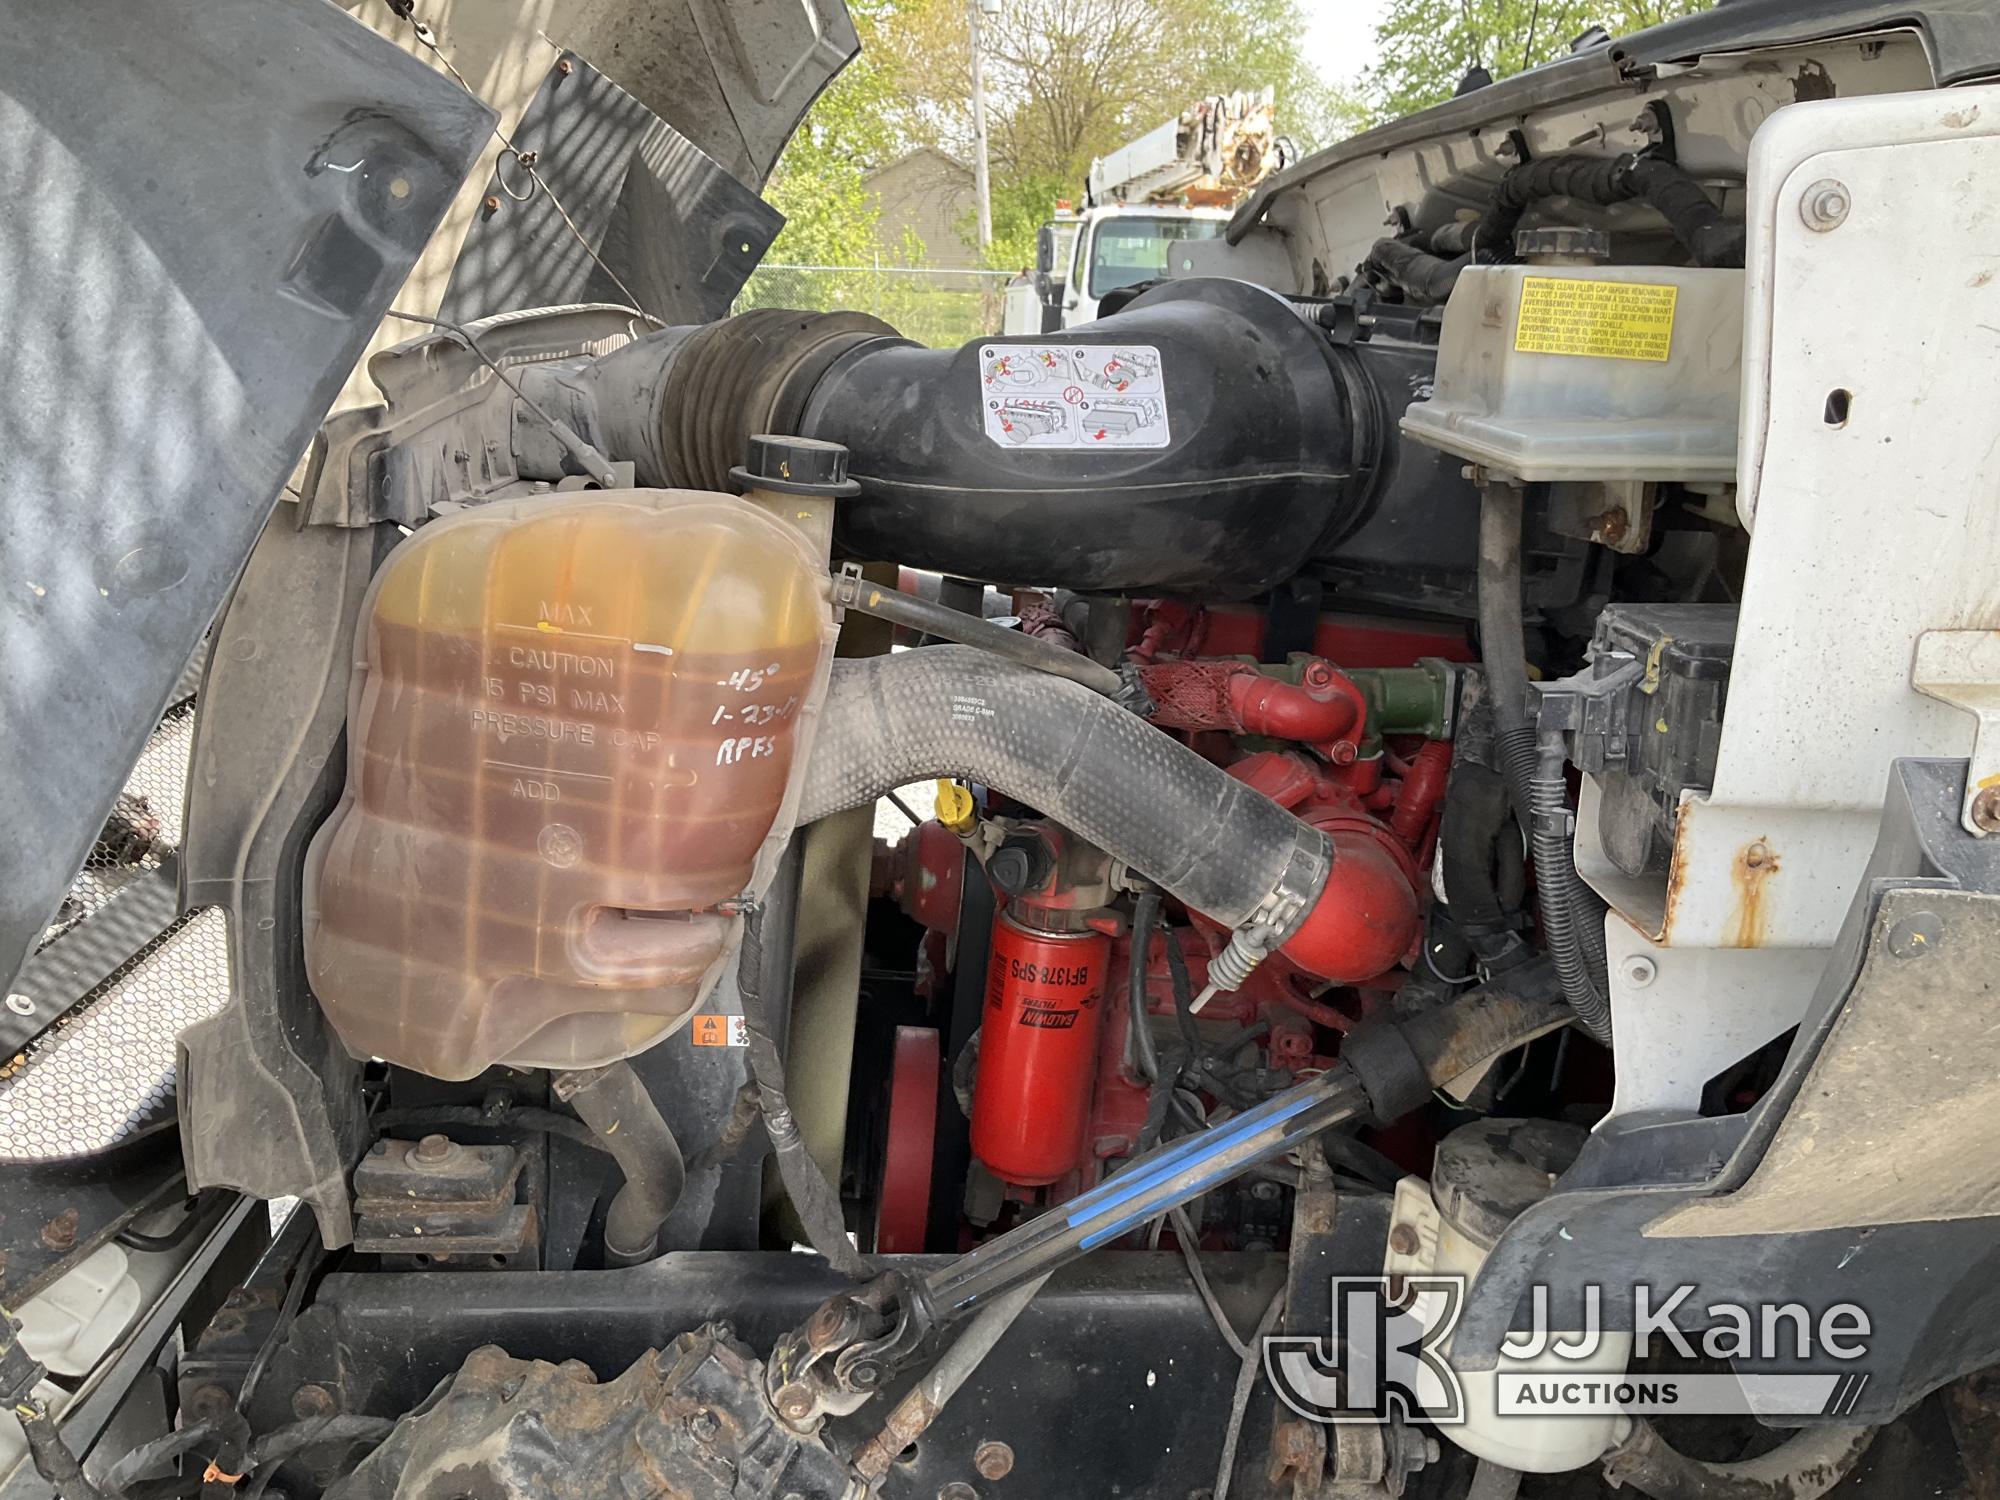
{"x":1350,"y":954}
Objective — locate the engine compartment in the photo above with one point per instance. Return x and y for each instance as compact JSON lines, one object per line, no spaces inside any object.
{"x":1098,"y":836}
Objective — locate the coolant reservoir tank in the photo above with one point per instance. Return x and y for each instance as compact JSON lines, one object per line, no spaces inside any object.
{"x":575,"y":737}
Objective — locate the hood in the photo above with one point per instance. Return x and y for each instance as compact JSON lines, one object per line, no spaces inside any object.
{"x":211,"y":204}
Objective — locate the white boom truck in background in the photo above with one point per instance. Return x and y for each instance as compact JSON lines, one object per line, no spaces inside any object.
{"x":1176,"y":182}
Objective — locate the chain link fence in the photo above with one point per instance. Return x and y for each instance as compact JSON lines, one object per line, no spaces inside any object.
{"x":940,"y":308}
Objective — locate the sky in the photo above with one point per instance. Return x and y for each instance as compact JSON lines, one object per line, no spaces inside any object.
{"x":1340,"y":36}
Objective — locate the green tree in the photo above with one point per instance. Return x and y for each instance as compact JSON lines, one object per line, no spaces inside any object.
{"x":1427,"y":46}
{"x":1066,"y":81}
{"x":1070,"y":80}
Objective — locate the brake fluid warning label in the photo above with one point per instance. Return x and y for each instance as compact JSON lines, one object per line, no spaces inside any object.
{"x":1073,"y":395}
{"x":1602,"y":319}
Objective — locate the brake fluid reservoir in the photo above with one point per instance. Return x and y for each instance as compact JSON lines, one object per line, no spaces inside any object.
{"x":575,"y":737}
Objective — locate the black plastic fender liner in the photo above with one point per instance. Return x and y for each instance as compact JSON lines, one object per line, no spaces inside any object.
{"x":1111,"y":777}
{"x":1259,"y":466}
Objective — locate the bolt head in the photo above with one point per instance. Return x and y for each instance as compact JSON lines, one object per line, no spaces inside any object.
{"x":704,"y":1426}
{"x":432,"y":1148}
{"x":1638,"y":971}
{"x":21,"y":1005}
{"x":1403,"y":1239}
{"x":1916,"y":935}
{"x":1985,"y":816}
{"x":794,"y":1402}
{"x":208,"y":1401}
{"x":993,"y":1459}
{"x":310,"y":1401}
{"x":1824,"y":205}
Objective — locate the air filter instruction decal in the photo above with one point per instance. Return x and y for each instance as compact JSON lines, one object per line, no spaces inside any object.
{"x":1073,"y":395}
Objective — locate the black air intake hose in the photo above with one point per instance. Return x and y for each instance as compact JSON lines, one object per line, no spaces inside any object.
{"x":1229,"y":455}
{"x":1206,"y":440}
{"x":1119,"y":783}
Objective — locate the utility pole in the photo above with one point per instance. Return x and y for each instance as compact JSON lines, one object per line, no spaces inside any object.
{"x":979,"y":180}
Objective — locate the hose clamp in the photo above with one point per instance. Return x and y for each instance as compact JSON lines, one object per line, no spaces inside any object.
{"x":847,"y":586}
{"x":1276,"y":917}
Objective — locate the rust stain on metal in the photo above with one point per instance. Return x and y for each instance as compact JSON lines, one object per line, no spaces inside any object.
{"x":1751,"y":872}
{"x":60,"y":1232}
{"x":1609,"y":527}
{"x":1297,"y":1448}
{"x":909,"y":1421}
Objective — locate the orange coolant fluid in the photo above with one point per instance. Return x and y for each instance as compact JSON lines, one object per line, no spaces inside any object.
{"x":575,"y":735}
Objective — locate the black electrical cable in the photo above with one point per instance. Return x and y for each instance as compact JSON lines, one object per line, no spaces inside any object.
{"x":1183,"y":984}
{"x":764,"y":983}
{"x":1534,"y":774}
{"x":196,"y":1214}
{"x":1185,"y":1236}
{"x":1710,"y":238}
{"x":1246,"y":1382}
{"x":295,"y":1295}
{"x":121,"y":1475}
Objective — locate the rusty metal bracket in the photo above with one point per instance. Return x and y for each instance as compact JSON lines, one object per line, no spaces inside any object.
{"x":434,"y":1202}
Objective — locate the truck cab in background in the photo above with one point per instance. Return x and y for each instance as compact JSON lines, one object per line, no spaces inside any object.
{"x":1176,"y":182}
{"x":1078,"y":261}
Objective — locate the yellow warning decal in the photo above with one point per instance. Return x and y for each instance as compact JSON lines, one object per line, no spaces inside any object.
{"x":1602,"y":319}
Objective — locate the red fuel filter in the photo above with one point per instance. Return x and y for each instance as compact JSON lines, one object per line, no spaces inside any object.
{"x":1037,"y":1051}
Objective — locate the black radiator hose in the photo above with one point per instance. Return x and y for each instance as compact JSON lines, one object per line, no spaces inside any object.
{"x":1097,"y":769}
{"x":1422,"y":276}
{"x":1337,"y":904}
{"x":613,"y":1102}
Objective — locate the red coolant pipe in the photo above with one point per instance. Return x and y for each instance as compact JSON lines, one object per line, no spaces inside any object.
{"x":1367,"y":915}
{"x":1323,"y":708}
{"x":1366,"y":918}
{"x":1418,"y":797}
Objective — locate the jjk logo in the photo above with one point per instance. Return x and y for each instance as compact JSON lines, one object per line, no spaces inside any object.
{"x":1385,"y":1353}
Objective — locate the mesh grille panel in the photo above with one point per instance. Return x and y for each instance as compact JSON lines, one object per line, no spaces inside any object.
{"x":106,"y":1070}
{"x":145,"y":824}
